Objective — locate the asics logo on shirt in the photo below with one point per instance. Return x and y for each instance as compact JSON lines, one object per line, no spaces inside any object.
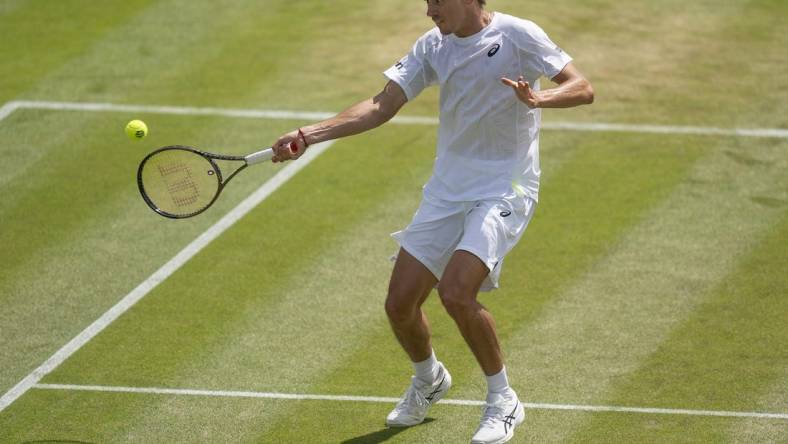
{"x":493,"y":50}
{"x":506,"y":213}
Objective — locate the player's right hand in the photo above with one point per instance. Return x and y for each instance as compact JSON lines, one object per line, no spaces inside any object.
{"x":289,"y":147}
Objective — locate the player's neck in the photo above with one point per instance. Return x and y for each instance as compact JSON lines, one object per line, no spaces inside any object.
{"x":476,"y":22}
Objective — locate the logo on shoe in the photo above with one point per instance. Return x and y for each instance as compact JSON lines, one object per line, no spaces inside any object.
{"x":509,"y":420}
{"x":438,"y":389}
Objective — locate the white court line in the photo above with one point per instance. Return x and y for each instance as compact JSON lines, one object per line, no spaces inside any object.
{"x":7,"y":109}
{"x":192,"y":111}
{"x":408,"y":120}
{"x":291,"y":396}
{"x":162,"y":273}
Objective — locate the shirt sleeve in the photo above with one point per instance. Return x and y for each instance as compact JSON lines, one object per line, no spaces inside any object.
{"x":413,"y":72}
{"x":537,"y":51}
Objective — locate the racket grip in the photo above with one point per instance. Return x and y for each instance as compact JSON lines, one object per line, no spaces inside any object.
{"x":260,"y":156}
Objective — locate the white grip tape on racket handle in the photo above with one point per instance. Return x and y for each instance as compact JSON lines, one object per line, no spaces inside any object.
{"x":260,"y":156}
{"x":264,"y":155}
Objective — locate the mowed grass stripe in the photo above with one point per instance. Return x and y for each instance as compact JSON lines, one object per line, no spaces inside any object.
{"x":72,"y":26}
{"x":9,"y":6}
{"x":731,"y":352}
{"x":330,"y":54}
{"x":146,"y":56}
{"x":244,"y":52}
{"x":24,"y":144}
{"x":607,"y":324}
{"x":100,"y":419}
{"x":350,"y":44}
{"x":676,"y":66}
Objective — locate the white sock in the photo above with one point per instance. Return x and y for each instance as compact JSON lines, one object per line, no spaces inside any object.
{"x":498,"y":383}
{"x":427,"y":370}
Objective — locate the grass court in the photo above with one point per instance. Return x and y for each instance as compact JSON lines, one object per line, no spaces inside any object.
{"x":653,"y":275}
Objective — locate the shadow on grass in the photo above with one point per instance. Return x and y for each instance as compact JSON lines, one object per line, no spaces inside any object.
{"x":381,"y":435}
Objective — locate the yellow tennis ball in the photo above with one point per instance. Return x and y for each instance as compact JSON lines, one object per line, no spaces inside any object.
{"x":136,"y":129}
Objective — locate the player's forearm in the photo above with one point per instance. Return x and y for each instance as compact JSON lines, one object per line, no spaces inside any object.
{"x":574,"y":92}
{"x":360,"y":117}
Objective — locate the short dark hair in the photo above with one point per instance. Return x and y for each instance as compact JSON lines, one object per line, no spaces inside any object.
{"x":482,"y":2}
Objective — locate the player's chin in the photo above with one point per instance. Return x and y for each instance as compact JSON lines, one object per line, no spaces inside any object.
{"x":442,"y":28}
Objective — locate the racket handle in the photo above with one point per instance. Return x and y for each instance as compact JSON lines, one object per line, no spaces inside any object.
{"x":260,"y":156}
{"x":266,"y":154}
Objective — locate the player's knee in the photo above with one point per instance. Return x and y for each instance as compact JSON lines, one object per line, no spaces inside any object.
{"x":397,"y":309}
{"x":456,"y":300}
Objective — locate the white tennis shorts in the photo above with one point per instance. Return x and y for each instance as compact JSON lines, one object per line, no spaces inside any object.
{"x":488,"y":228}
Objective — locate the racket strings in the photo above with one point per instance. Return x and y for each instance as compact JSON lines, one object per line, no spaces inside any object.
{"x":173,"y":168}
{"x":184,"y":191}
{"x":180,"y":182}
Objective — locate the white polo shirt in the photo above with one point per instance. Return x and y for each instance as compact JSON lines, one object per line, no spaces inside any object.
{"x":488,"y":140}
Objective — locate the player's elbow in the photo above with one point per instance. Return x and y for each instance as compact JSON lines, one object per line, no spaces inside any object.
{"x":588,"y":93}
{"x":388,"y":103}
{"x":385,"y":112}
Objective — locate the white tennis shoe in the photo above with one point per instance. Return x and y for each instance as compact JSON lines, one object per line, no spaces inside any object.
{"x":413,"y":406}
{"x":501,"y":415}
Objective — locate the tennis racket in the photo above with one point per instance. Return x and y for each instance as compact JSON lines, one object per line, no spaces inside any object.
{"x":180,"y":181}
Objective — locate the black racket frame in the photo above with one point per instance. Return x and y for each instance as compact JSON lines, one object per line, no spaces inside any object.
{"x":210,"y":157}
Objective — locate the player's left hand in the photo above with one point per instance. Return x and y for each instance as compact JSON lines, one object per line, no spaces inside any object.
{"x":523,"y":91}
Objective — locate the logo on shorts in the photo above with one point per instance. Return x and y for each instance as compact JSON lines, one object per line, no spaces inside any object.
{"x":506,"y":213}
{"x":494,"y":50}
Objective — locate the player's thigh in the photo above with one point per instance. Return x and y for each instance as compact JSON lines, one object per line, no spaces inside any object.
{"x":411,"y":283}
{"x":462,"y":278}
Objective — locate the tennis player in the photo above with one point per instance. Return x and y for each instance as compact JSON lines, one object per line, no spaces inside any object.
{"x":482,"y":193}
